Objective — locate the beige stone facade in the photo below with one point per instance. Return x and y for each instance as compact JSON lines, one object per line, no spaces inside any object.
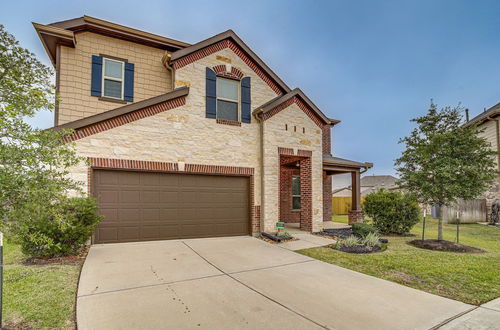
{"x":185,"y":136}
{"x":151,"y":77}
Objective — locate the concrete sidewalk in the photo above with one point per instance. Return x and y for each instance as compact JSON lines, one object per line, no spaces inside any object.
{"x":241,"y":282}
{"x":485,"y":317}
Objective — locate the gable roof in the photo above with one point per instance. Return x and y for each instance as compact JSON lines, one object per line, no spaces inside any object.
{"x":124,"y":110}
{"x":59,"y":32}
{"x":378,"y":181}
{"x":492,"y":112}
{"x":230,"y":35}
{"x":277,"y":101}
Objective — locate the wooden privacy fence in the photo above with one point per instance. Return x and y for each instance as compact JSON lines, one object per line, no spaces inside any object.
{"x":342,"y":205}
{"x":470,"y":211}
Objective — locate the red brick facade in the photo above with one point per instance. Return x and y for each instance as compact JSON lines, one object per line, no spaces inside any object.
{"x":288,"y":167}
{"x":327,"y":197}
{"x":327,"y":140}
{"x":221,"y":71}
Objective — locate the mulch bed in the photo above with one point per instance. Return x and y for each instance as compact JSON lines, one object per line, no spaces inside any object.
{"x":59,"y":260}
{"x":359,"y":249}
{"x":447,"y":246}
{"x":336,"y":233}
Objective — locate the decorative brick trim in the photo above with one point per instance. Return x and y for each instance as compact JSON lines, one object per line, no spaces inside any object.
{"x":237,"y":50}
{"x":285,"y":151}
{"x":256,"y":219}
{"x":218,"y":169}
{"x":326,"y":139}
{"x":126,"y":118}
{"x":228,"y":122}
{"x":311,"y":114}
{"x":221,"y":71}
{"x":304,"y":153}
{"x":133,"y":164}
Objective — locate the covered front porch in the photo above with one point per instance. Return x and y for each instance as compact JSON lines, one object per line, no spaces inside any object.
{"x":336,"y":166}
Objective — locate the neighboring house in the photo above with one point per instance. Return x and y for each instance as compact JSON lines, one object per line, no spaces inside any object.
{"x":342,"y":197}
{"x":188,"y":140}
{"x":489,"y":122}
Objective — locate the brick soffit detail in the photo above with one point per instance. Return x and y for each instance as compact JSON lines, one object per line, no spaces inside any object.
{"x":238,"y":51}
{"x":121,"y":120}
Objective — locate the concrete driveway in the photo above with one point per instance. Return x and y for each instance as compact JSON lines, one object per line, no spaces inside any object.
{"x":241,"y":282}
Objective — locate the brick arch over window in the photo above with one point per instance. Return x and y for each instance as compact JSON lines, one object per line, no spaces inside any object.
{"x":221,"y":71}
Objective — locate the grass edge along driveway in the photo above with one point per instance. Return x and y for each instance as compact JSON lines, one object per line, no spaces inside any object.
{"x":470,"y":278}
{"x":40,"y":296}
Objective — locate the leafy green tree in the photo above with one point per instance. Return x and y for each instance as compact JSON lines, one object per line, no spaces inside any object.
{"x":443,"y":161}
{"x":33,"y":162}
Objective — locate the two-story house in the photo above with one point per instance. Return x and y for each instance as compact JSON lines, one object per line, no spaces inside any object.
{"x":185,"y":141}
{"x":488,"y":121}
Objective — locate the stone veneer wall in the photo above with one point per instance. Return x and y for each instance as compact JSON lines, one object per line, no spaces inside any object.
{"x":291,"y":128}
{"x":184,"y":136}
{"x":151,"y":78}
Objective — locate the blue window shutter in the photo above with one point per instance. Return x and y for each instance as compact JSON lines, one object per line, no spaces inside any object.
{"x":96,"y":83}
{"x":211,"y":93}
{"x":128,"y":88}
{"x":245,"y":100}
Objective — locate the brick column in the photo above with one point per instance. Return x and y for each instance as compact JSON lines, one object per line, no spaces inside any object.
{"x":327,"y":197}
{"x":355,"y":214}
{"x":306,"y":194}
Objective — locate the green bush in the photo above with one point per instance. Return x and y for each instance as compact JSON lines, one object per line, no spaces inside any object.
{"x":41,"y":234}
{"x":392,"y":211}
{"x":360,"y":229}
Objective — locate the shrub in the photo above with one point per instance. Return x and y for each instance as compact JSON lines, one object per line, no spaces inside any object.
{"x":360,"y":229}
{"x":350,"y":241}
{"x":371,"y":240}
{"x":392,"y":211}
{"x":41,"y":234}
{"x":284,"y":235}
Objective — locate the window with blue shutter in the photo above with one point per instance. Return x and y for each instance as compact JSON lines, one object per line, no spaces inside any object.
{"x":211,"y":93}
{"x":128,"y":91}
{"x":245,"y":100}
{"x":112,"y":78}
{"x":96,"y":84}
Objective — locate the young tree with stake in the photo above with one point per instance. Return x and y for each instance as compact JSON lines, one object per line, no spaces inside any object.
{"x":443,"y":161}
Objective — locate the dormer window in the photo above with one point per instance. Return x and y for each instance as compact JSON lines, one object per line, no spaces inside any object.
{"x":112,"y":78}
{"x":228,"y":99}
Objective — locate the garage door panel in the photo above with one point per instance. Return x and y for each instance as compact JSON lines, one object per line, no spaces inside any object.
{"x":150,"y":206}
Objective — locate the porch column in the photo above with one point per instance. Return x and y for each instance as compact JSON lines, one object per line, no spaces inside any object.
{"x":355,"y":214}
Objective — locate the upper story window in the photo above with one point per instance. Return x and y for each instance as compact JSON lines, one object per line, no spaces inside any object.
{"x":228,"y":99}
{"x":112,"y":79}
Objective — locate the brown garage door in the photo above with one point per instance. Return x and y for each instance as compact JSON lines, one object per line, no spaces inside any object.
{"x":144,"y":206}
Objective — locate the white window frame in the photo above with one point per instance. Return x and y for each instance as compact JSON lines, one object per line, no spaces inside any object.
{"x":104,"y":77}
{"x":238,"y":103}
{"x":299,"y":195}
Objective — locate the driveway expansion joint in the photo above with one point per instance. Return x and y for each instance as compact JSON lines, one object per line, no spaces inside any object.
{"x":448,"y":320}
{"x":256,"y":291}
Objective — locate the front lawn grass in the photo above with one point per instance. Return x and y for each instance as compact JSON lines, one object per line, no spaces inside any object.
{"x":40,"y":296}
{"x":471,"y":278}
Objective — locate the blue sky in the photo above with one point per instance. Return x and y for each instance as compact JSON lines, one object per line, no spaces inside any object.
{"x":372,"y":64}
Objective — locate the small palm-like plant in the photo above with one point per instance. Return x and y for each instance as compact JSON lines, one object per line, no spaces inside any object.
{"x":371,"y":240}
{"x":350,"y":241}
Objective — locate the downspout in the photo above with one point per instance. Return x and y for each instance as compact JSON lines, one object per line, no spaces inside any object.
{"x":166,"y":63}
{"x":256,"y":115}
